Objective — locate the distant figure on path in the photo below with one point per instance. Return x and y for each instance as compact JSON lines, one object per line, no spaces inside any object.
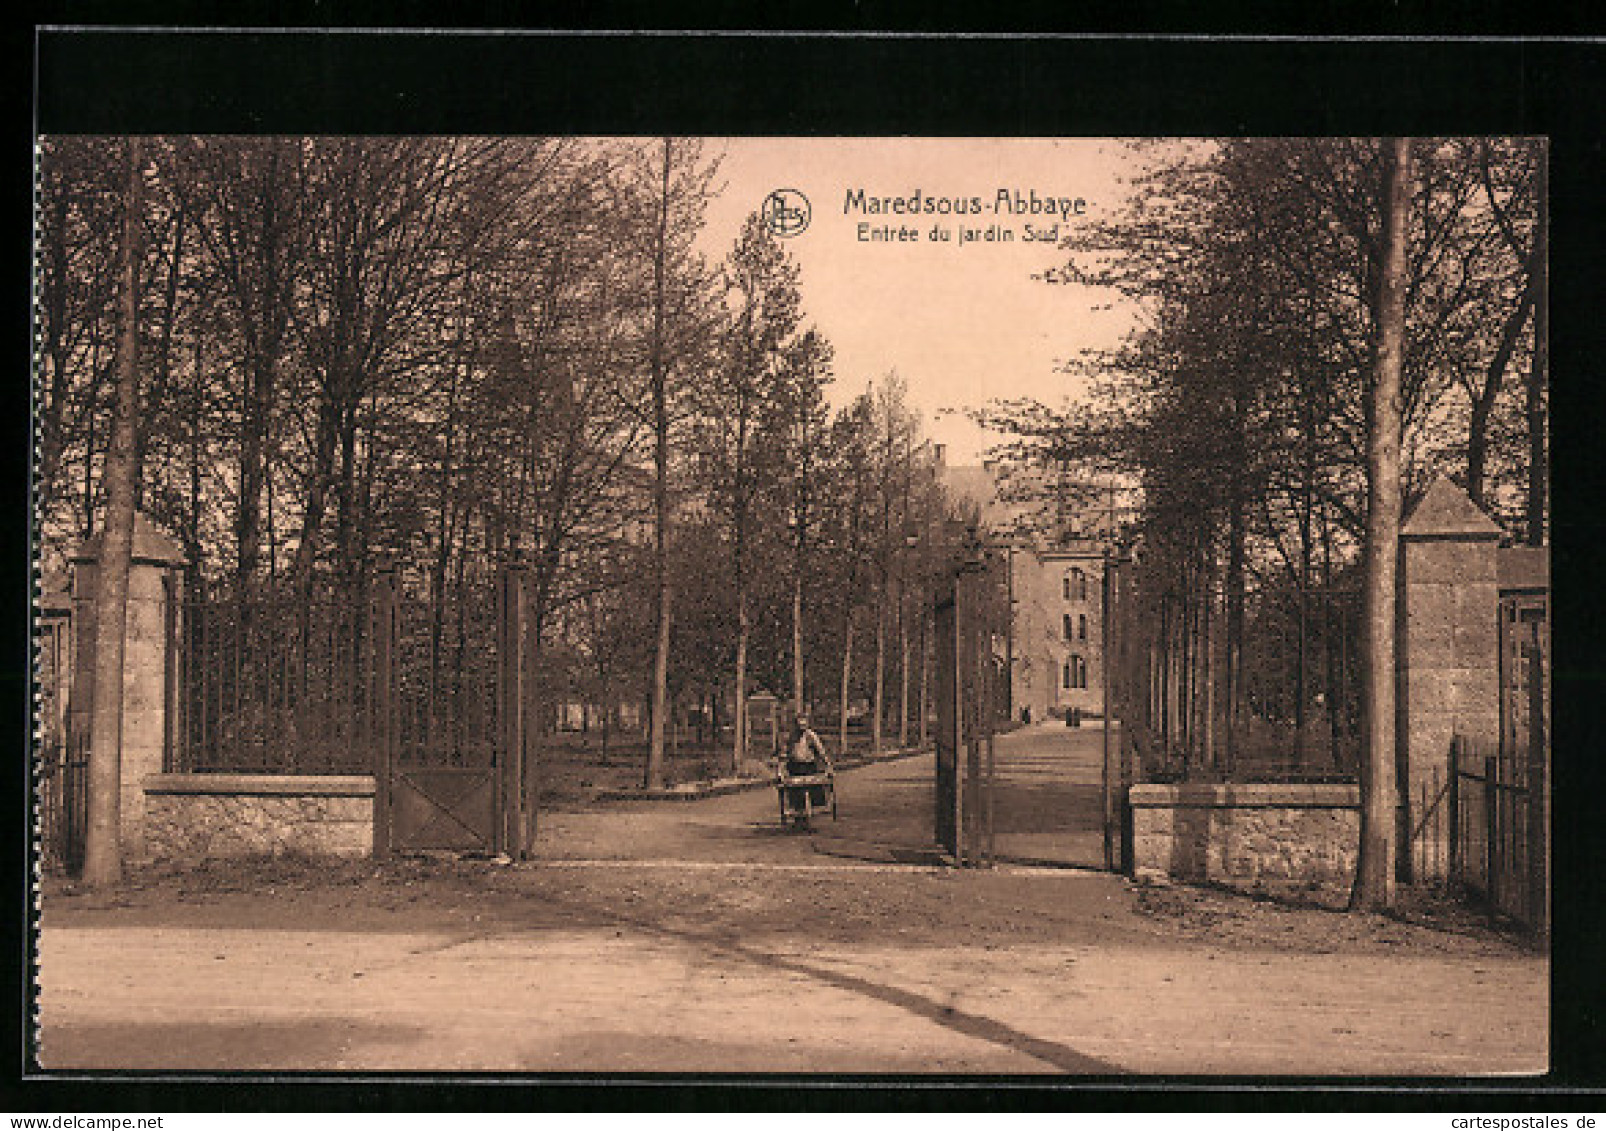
{"x":805,"y":755}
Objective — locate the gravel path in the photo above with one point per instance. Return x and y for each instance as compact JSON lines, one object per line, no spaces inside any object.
{"x":697,"y":937}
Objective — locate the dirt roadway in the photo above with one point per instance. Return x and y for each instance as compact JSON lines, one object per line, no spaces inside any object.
{"x":757,"y":952}
{"x":1048,"y":811}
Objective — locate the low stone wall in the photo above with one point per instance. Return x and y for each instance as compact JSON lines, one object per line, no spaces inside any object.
{"x":211,"y":816}
{"x":1246,"y":835}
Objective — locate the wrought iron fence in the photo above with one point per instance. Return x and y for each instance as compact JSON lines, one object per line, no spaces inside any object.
{"x":1499,"y":791}
{"x":1269,"y":691}
{"x":1497,"y":842}
{"x":1429,"y":800}
{"x":445,"y":701}
{"x":272,"y":684}
{"x":1300,"y":708}
{"x":310,"y":685}
{"x":60,"y":757}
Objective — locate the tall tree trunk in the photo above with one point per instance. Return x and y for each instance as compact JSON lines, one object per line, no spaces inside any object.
{"x":444,"y":529}
{"x":797,"y":636}
{"x":743,"y":629}
{"x":877,"y":716}
{"x":1494,"y":380}
{"x":346,"y":504}
{"x":252,"y":471}
{"x":739,"y":515}
{"x":659,"y":699}
{"x":52,"y":410}
{"x":654,"y":773}
{"x":1538,"y":473}
{"x":317,"y":500}
{"x":1234,"y":646}
{"x":925,"y":672}
{"x":103,"y":858}
{"x":847,"y":680}
{"x":87,"y":523}
{"x":161,"y":372}
{"x":1375,"y":869}
{"x":800,"y":515}
{"x":192,"y":516}
{"x":903,"y":666}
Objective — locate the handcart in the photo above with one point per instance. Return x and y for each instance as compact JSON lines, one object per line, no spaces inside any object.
{"x":803,"y":795}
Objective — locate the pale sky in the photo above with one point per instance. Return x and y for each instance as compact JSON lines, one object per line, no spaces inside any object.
{"x":961,"y":322}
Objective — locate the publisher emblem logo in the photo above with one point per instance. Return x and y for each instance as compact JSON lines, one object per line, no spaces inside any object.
{"x":786,"y":213}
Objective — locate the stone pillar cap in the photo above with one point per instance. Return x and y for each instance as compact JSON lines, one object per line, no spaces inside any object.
{"x":1447,"y":512}
{"x":152,"y":546}
{"x":55,"y":591}
{"x":1523,"y":567}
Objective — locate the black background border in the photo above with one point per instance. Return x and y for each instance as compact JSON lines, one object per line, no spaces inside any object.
{"x":1010,"y":82}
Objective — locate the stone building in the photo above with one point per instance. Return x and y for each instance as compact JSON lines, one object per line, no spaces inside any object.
{"x":1054,"y":651}
{"x":1053,"y":647}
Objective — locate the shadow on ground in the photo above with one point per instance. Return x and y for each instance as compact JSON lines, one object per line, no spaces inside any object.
{"x":1054,"y":1054}
{"x":254,"y":1045}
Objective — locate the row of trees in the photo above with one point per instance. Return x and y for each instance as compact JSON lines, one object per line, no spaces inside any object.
{"x":1265,"y":410}
{"x":1239,"y":404}
{"x":449,"y":351}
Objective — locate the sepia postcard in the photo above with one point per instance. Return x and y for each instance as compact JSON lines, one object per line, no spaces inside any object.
{"x":822,"y":604}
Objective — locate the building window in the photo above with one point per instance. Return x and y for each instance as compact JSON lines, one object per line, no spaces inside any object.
{"x":1081,"y":627}
{"x":1065,"y":674}
{"x":1074,"y":673}
{"x":1069,"y":628}
{"x":1076,"y":586}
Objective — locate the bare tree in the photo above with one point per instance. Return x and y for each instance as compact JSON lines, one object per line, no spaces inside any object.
{"x":803,"y":423}
{"x":1375,"y":866}
{"x":895,"y":428}
{"x":79,"y":232}
{"x":658,"y":378}
{"x":744,"y":392}
{"x":1511,"y":181}
{"x":670,"y":184}
{"x":247,"y":196}
{"x":103,"y":862}
{"x":851,"y":441}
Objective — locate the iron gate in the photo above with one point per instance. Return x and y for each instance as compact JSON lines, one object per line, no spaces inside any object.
{"x":431,"y":696}
{"x":453,"y":768}
{"x":1499,"y":797}
{"x":1036,"y":800}
{"x":61,"y":763}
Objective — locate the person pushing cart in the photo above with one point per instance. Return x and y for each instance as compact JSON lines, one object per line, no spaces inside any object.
{"x":805,"y":780}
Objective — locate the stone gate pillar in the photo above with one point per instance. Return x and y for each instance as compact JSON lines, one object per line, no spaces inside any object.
{"x":149,"y":663}
{"x":1448,"y":660}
